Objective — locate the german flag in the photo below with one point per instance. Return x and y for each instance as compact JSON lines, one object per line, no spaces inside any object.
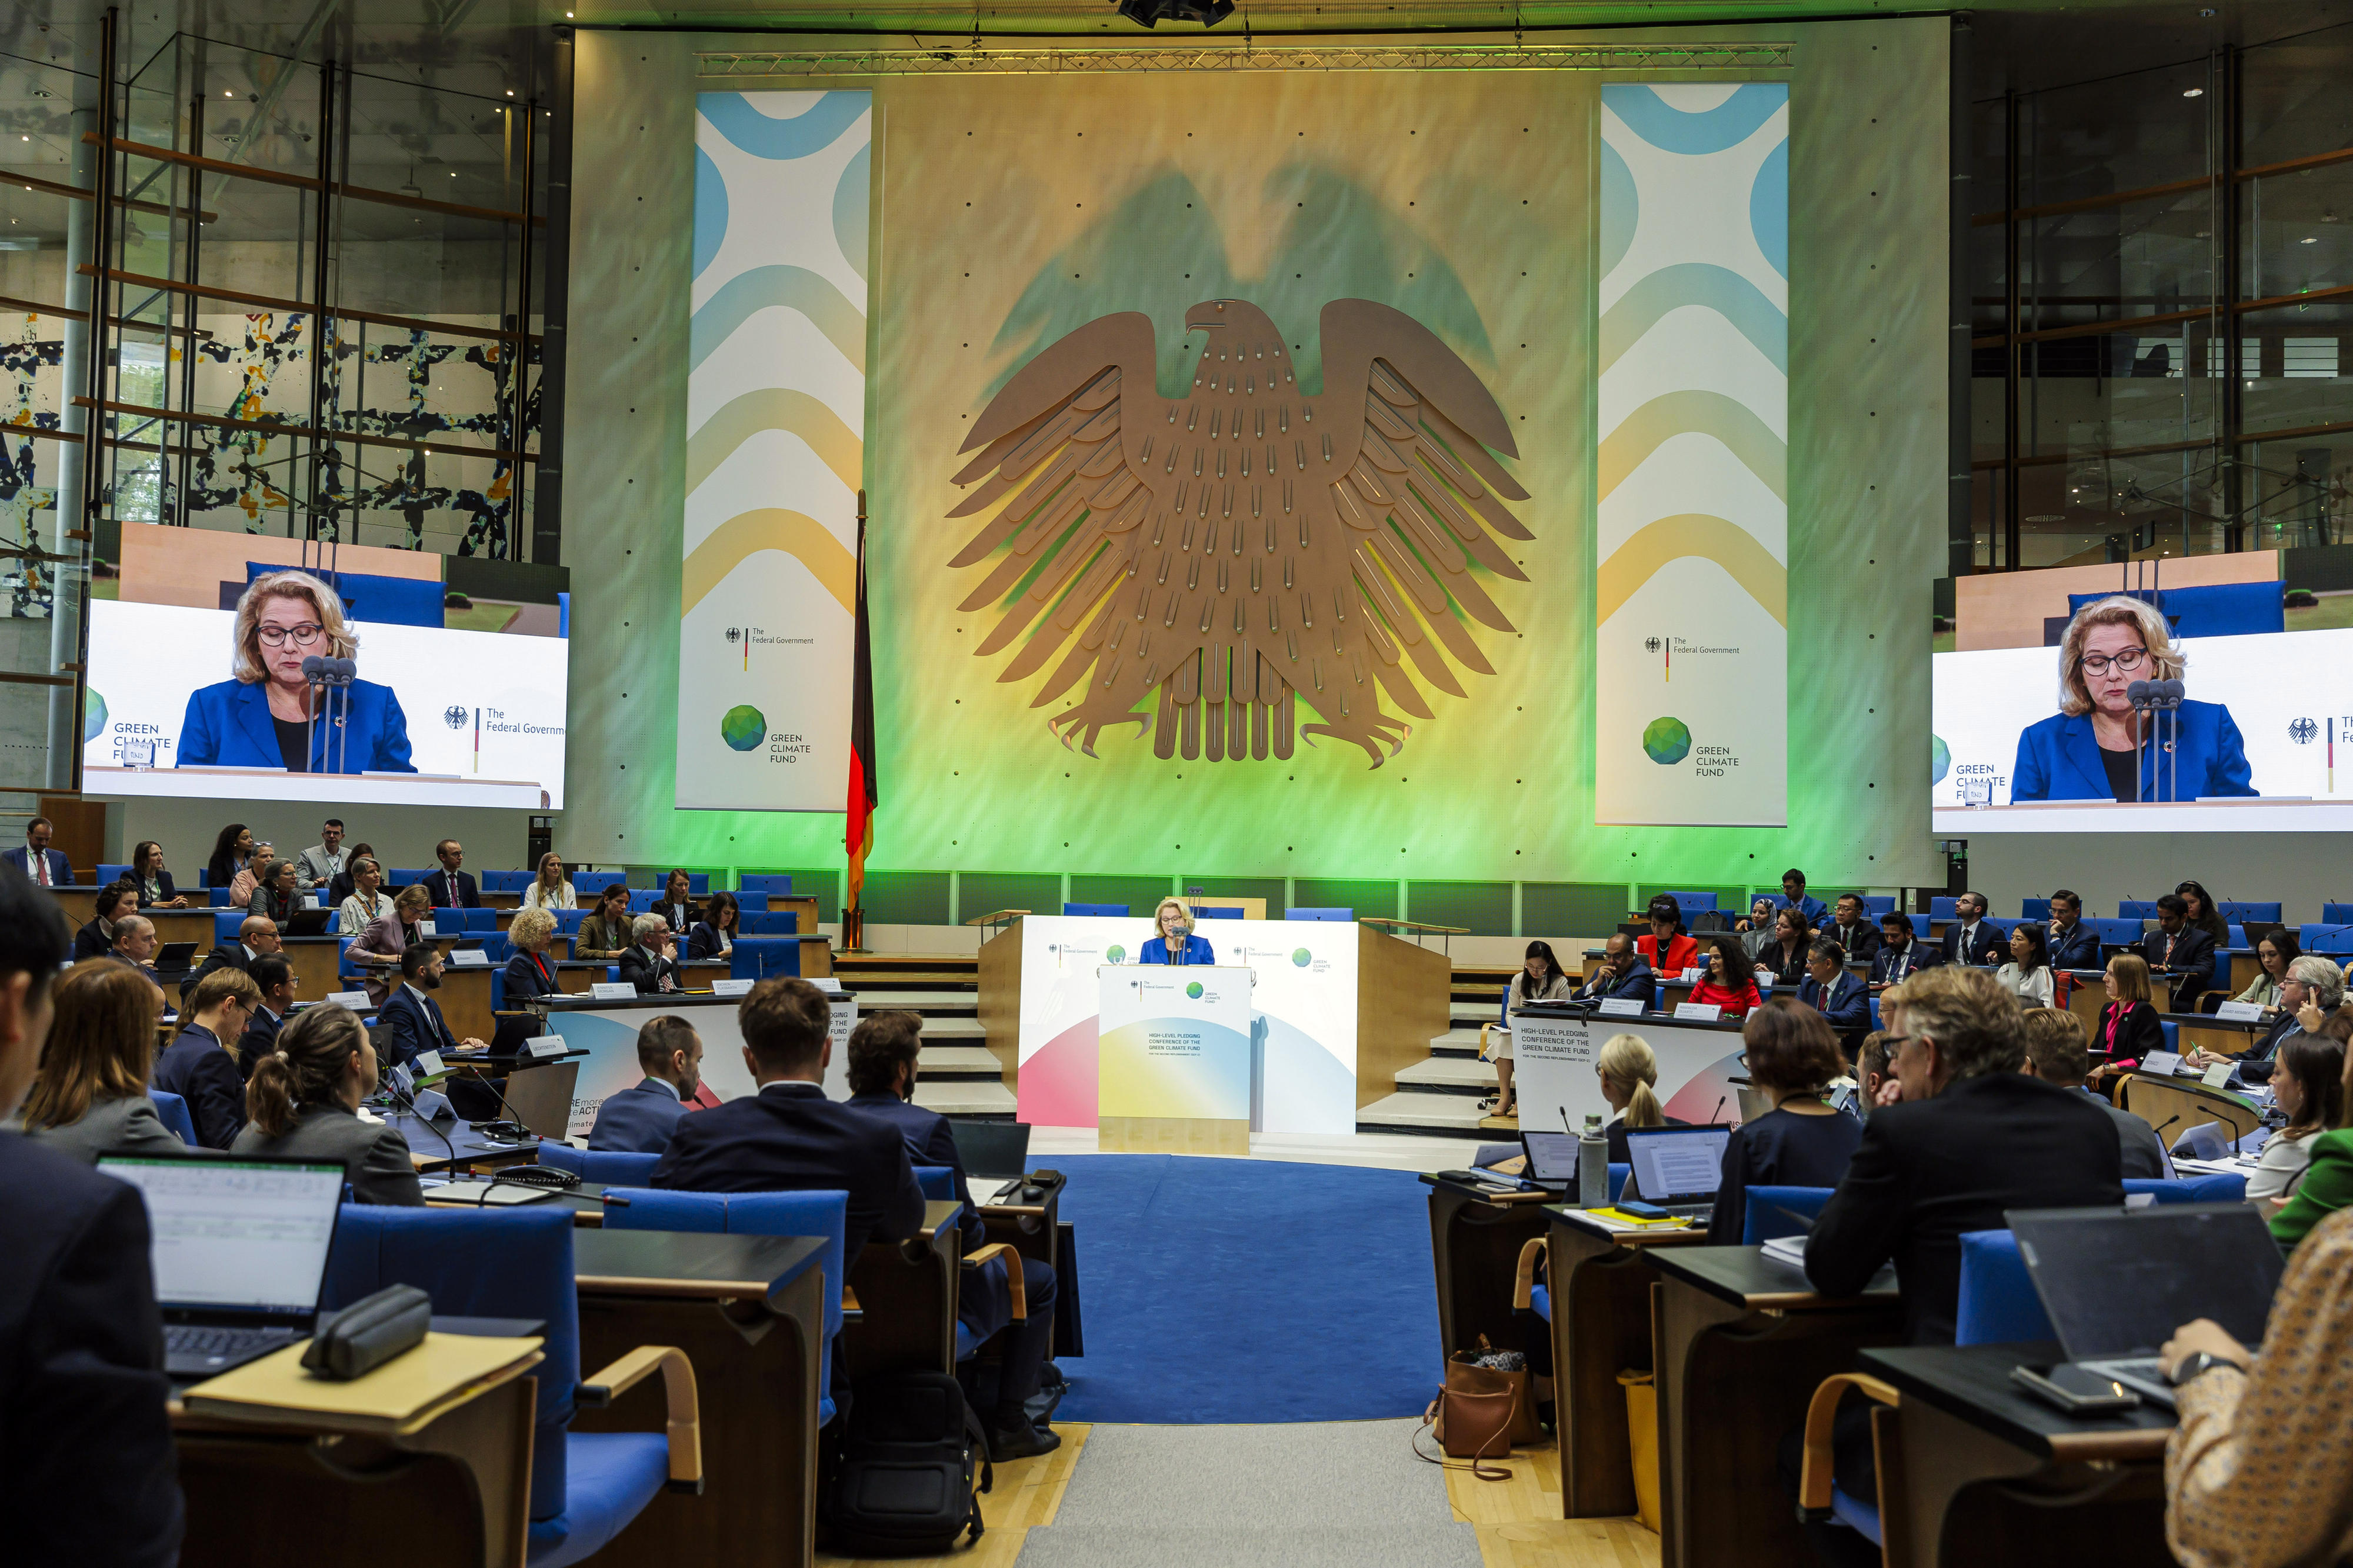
{"x":859,"y":831}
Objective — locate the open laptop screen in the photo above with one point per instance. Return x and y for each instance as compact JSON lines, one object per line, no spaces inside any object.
{"x":242,"y":1235}
{"x":1552,"y":1156}
{"x":2118,"y":1284}
{"x":1683,"y":1164}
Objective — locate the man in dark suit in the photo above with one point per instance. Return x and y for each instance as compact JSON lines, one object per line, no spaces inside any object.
{"x":1622,"y":975}
{"x":1900,"y":953}
{"x":639,"y":1120}
{"x":1970,"y":939}
{"x":274,"y":977}
{"x":451,"y":888}
{"x":410,"y":1021}
{"x":255,"y":937}
{"x":88,"y":1472}
{"x":883,"y":1052}
{"x":1844,"y":1000}
{"x":41,"y":864}
{"x":2073,"y":945}
{"x":1853,"y":931}
{"x":2178,"y":953}
{"x":650,"y":962}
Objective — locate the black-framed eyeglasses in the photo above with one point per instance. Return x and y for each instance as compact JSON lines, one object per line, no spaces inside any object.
{"x":2131,"y":660}
{"x":302,"y":636}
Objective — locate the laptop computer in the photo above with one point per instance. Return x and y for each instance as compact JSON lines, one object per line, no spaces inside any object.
{"x":173,"y":956}
{"x":239,"y":1252}
{"x":1677,"y":1168}
{"x":2116,"y":1284}
{"x":306,"y":922}
{"x":1551,"y":1159}
{"x":995,"y":1151}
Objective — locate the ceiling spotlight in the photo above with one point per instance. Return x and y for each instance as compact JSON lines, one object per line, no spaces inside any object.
{"x":509,"y":92}
{"x":2193,"y":92}
{"x":2309,"y":240}
{"x":1146,"y":13}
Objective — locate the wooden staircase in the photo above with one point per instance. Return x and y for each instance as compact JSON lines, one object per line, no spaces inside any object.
{"x":958,"y":1074}
{"x":1441,"y":1095}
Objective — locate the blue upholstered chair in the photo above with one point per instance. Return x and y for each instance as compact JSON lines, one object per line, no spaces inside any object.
{"x":218,"y":897}
{"x":769,"y":883}
{"x":2235,"y":911}
{"x":225,"y":926}
{"x":1227,"y":914}
{"x":769,"y":922}
{"x":406,"y":877}
{"x":2117,"y":932}
{"x":1120,"y":909}
{"x":1693,"y":903}
{"x":107,"y":874}
{"x":2172,"y":1034}
{"x":2221,"y":1187}
{"x":1323,"y":914}
{"x":1999,"y":1304}
{"x":585,"y":1487}
{"x":2336,"y":914}
{"x":820,"y":1213}
{"x":759,"y":957}
{"x":567,"y":921}
{"x":2137,"y":909}
{"x":1527,"y":1295}
{"x":2034,"y":909}
{"x":750,"y":903}
{"x":1877,"y":904}
{"x":2329,"y":939}
{"x":173,"y":1110}
{"x":641,"y":900}
{"x":605,"y":1167}
{"x":1765,"y":1220}
{"x":1944,"y":908}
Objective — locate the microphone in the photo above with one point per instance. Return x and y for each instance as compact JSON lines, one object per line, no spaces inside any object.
{"x":515,"y":1119}
{"x":1565,"y":1127}
{"x":2138,"y":693}
{"x":402,"y":1096}
{"x":2163,"y":1125}
{"x":1718,"y":1111}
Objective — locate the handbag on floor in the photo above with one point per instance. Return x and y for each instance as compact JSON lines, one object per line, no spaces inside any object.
{"x":1480,"y":1408}
{"x":913,"y":1463}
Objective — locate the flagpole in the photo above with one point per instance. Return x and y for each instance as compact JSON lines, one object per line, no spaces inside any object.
{"x":858,"y":824}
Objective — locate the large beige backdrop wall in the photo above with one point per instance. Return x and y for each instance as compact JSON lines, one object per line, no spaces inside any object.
{"x":1011,"y":209}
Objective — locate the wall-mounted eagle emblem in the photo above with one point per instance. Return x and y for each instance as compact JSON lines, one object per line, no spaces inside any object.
{"x":1245,"y":545}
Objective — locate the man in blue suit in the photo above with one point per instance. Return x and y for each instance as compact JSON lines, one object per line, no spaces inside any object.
{"x":1844,"y":1000}
{"x":1793,"y":890}
{"x":639,"y":1120}
{"x":42,"y":866}
{"x":1623,"y":974}
{"x":1900,"y":953}
{"x":412,"y":1020}
{"x":275,"y":978}
{"x":883,"y":1051}
{"x":2073,"y":945}
{"x":453,"y":887}
{"x":1970,"y":939}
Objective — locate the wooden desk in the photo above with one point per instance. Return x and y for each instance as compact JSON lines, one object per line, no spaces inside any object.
{"x":749,"y":1312}
{"x":458,"y":1489}
{"x":184,"y":925}
{"x":2085,"y":999}
{"x":314,"y":961}
{"x":1740,"y":1343}
{"x":1034,"y":1230}
{"x":79,"y":904}
{"x":2246,"y":968}
{"x":464,"y":1149}
{"x":2217,"y":1037}
{"x":1985,"y":1473}
{"x":2178,"y":1104}
{"x":907,"y":1296}
{"x":1599,"y":1286}
{"x":1474,"y":1241}
{"x":465,"y":1000}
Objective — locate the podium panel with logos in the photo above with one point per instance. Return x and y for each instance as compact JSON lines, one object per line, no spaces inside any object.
{"x":1175,"y":1068}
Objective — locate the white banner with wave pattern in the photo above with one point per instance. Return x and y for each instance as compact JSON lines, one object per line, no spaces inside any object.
{"x":1691,"y":600}
{"x":775,"y":445}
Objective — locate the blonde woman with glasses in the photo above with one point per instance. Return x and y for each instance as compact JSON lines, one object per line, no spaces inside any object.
{"x":262,"y":716}
{"x":1176,"y":942}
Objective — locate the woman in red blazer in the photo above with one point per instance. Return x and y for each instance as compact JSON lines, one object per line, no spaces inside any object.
{"x":2128,"y":1028}
{"x":1731,"y":982}
{"x":1668,"y":941}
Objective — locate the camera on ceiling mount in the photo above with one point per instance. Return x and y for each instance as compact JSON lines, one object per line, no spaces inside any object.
{"x":1147,"y":13}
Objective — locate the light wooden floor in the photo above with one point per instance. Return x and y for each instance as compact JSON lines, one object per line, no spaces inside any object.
{"x":1520,"y":1525}
{"x":1026,"y":1492}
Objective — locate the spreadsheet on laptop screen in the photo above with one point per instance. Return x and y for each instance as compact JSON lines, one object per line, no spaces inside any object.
{"x":228,"y":1232}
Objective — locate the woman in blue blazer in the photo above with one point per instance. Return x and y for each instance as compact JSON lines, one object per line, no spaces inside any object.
{"x":262,"y":718}
{"x":2086,"y":750}
{"x":1176,"y":943}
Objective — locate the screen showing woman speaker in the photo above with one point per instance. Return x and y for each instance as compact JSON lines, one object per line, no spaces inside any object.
{"x":2207,"y":683}
{"x":241,"y":667}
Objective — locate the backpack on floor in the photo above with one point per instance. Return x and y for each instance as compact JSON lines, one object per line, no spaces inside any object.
{"x":913,"y":1462}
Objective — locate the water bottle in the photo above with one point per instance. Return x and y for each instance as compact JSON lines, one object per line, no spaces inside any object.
{"x":1593,"y":1166}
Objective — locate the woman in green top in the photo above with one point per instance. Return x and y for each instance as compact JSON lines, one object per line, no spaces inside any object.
{"x":606,"y":933}
{"x":2327,"y":1184}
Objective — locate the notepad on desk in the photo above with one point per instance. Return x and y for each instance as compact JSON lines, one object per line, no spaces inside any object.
{"x":400,"y":1396}
{"x":1620,"y":1221}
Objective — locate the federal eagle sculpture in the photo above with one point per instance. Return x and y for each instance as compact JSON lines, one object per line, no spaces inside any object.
{"x":1244,"y":546}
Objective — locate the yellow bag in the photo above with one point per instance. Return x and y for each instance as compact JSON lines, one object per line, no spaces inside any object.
{"x":1642,"y":1433}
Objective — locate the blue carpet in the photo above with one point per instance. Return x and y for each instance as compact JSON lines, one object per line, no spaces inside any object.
{"x":1249,"y":1290}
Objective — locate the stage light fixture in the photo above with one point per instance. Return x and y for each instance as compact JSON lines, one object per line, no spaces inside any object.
{"x":1146,"y":13}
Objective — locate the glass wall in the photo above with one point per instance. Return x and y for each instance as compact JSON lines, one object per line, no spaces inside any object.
{"x":2161,"y":271}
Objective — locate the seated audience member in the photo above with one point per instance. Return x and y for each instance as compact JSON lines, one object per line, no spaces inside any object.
{"x":42,"y":864}
{"x":2027,"y":975}
{"x":1729,"y":984}
{"x":2309,"y":981}
{"x":1970,"y":939}
{"x":2327,"y":1184}
{"x":1793,"y":889}
{"x":277,"y":893}
{"x":256,"y":936}
{"x":640,"y":1118}
{"x":1901,"y":955}
{"x":378,"y":950}
{"x":2179,"y":954}
{"x":1871,"y":1074}
{"x":274,"y":978}
{"x":1790,"y":1055}
{"x":1844,"y":1000}
{"x":324,"y":861}
{"x":134,"y":942}
{"x":2255,"y":1475}
{"x":345,"y":883}
{"x":91,"y":1096}
{"x":550,"y":888}
{"x":1629,"y":1071}
{"x":649,"y":962}
{"x":1540,"y":979}
{"x":199,"y":1064}
{"x":2057,"y":1054}
{"x":606,"y":934}
{"x":1669,"y":950}
{"x":97,"y":938}
{"x":1852,"y":931}
{"x":232,"y":853}
{"x":530,"y":971}
{"x":2272,"y":955}
{"x":2308,"y":1086}
{"x":2200,"y":911}
{"x":2072,"y":944}
{"x":883,"y":1050}
{"x":1757,"y":928}
{"x":305,"y":1099}
{"x":1622,"y":975}
{"x":451,"y":888}
{"x":1960,"y":1135}
{"x":151,"y":881}
{"x":241,"y":885}
{"x":676,"y":905}
{"x":2128,"y":1027}
{"x":1783,"y":959}
{"x":365,"y":902}
{"x":714,"y":935}
{"x":88,"y":1468}
{"x":410,"y":1018}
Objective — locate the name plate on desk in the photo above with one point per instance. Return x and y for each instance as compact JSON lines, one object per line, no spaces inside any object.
{"x":429,"y":1063}
{"x":2160,"y":1063}
{"x":356,"y":1001}
{"x":1694,"y":975}
{"x":1699,"y":1011}
{"x":1621,"y":1008}
{"x":543,"y":1047}
{"x":2218,"y":1074}
{"x":424,"y":929}
{"x":613,"y":991}
{"x":731,"y":987}
{"x":469,"y":958}
{"x":2240,"y":1012}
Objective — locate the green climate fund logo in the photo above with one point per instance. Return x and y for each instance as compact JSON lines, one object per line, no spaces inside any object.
{"x":1114,"y":953}
{"x":742,"y":726}
{"x":1668,"y":741}
{"x":1194,"y":990}
{"x":1299,"y":957}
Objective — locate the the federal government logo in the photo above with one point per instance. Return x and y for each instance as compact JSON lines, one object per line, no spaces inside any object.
{"x":455,"y":716}
{"x":2302,"y":731}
